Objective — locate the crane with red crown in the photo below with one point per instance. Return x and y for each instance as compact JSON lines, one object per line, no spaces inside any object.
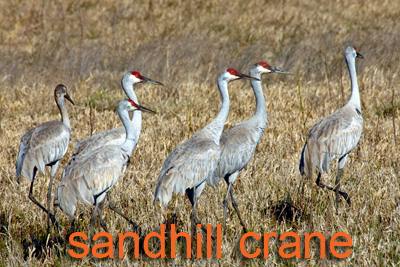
{"x":239,"y":143}
{"x":190,"y":164}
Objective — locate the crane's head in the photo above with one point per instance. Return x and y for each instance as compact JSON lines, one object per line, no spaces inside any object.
{"x":135,"y":77}
{"x":351,"y":50}
{"x":132,"y":106}
{"x":61,"y":92}
{"x":230,"y":75}
{"x":264,"y":68}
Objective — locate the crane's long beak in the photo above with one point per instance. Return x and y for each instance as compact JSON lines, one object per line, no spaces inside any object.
{"x":139,"y":107}
{"x":359,"y":55}
{"x":147,"y":80}
{"x":69,"y":98}
{"x":275,"y":70}
{"x":244,"y":76}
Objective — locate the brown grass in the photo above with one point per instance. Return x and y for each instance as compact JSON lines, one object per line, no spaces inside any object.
{"x":89,"y":45}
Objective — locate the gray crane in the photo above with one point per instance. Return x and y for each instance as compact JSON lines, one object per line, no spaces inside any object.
{"x":336,"y":135}
{"x":44,"y":145}
{"x":239,"y":143}
{"x":115,"y":136}
{"x":191,"y":163}
{"x":91,"y":177}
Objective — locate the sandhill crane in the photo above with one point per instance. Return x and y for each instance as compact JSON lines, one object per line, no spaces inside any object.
{"x":44,"y":145}
{"x":191,"y":163}
{"x":239,"y":143}
{"x":91,"y":177}
{"x":336,"y":135}
{"x":115,"y":136}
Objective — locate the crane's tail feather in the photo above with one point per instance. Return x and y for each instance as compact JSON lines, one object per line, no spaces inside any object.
{"x":76,"y":143}
{"x":67,"y":200}
{"x":165,"y":188}
{"x":163,"y":197}
{"x":214,"y":180}
{"x":303,"y":161}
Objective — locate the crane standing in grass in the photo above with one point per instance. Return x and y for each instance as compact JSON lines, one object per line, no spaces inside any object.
{"x":44,"y":145}
{"x":336,"y":135}
{"x":115,"y":136}
{"x":91,"y":178}
{"x":239,"y":143}
{"x":191,"y":163}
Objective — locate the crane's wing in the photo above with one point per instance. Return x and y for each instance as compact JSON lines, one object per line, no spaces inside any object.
{"x":238,"y":145}
{"x":92,"y":175}
{"x":187,"y":166}
{"x":332,"y":137}
{"x":42,"y":145}
{"x":115,"y":136}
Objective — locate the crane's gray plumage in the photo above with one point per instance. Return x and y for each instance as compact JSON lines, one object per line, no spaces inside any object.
{"x":44,"y":145}
{"x":40,"y":146}
{"x":187,"y":166}
{"x":239,"y":143}
{"x":190,"y":164}
{"x":91,"y":177}
{"x":115,"y":136}
{"x":336,"y":135}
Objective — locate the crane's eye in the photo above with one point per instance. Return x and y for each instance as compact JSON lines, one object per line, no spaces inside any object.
{"x":136,"y":74}
{"x":264,"y":65}
{"x":233,"y":72}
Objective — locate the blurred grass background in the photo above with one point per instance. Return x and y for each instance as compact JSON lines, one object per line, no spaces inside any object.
{"x":89,"y":45}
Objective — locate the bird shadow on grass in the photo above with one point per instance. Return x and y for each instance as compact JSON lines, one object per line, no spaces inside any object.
{"x":40,"y":245}
{"x":35,"y":243}
{"x":286,"y":210}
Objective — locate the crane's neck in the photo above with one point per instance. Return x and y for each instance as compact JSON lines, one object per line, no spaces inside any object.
{"x":261,"y":109}
{"x":127,"y":86}
{"x":64,"y":113}
{"x":216,"y":127}
{"x":130,"y":140}
{"x":355,"y":94}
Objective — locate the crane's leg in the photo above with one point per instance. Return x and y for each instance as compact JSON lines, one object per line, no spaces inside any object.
{"x":230,"y":179}
{"x":191,"y":193}
{"x":225,"y":202}
{"x":337,"y":186}
{"x":199,"y":189}
{"x":235,"y":205}
{"x":32,"y":198}
{"x":73,"y":225}
{"x":55,"y":205}
{"x":114,"y":208}
{"x":52,"y":173}
{"x":100,"y":210}
{"x":93,"y":222}
{"x":341,"y":163}
{"x":336,"y":189}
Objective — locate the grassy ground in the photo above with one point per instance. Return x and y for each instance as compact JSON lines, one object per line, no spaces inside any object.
{"x":89,"y":45}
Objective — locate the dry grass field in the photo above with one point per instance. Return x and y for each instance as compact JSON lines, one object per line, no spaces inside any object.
{"x":88,"y":45}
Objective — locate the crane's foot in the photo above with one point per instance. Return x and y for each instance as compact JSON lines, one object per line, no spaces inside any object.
{"x":236,"y":206}
{"x":54,"y":221}
{"x":196,"y":220}
{"x":346,"y":197}
{"x":343,"y":194}
{"x":136,"y":228}
{"x":225,"y":203}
